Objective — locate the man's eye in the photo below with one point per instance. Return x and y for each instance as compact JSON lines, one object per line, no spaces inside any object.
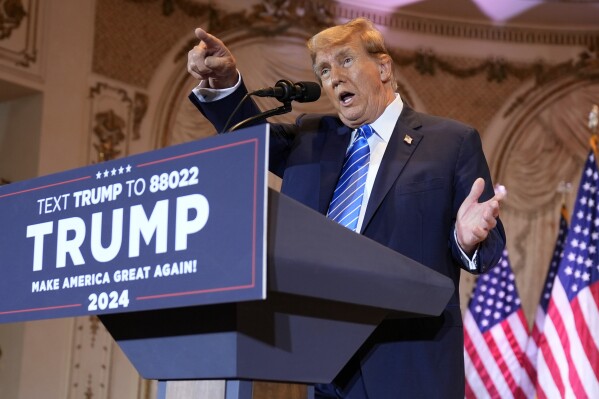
{"x":324,"y":72}
{"x":348,"y":60}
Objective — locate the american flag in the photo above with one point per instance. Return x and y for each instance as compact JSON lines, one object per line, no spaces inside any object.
{"x":495,"y":337}
{"x":568,"y":361}
{"x":532,"y":349}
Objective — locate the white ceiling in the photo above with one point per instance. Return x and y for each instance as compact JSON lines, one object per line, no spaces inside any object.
{"x":554,"y":14}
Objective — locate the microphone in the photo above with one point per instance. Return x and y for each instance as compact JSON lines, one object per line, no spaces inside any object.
{"x":286,"y":91}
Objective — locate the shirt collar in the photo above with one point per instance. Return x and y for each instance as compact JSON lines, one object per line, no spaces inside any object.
{"x":385,"y":124}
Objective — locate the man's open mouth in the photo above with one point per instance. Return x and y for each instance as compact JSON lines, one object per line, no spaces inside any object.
{"x":346,"y":97}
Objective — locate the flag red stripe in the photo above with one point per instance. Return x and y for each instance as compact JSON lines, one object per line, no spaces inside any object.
{"x":499,"y":360}
{"x":533,"y":352}
{"x":469,"y":392}
{"x":595,"y":293}
{"x":518,"y":353}
{"x":586,"y":337}
{"x":553,"y":369}
{"x":545,"y":349}
{"x":562,"y":333}
{"x":479,"y":366}
{"x":525,"y":362}
{"x":536,"y":333}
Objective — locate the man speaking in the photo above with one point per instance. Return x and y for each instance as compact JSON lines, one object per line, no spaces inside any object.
{"x":416,"y":183}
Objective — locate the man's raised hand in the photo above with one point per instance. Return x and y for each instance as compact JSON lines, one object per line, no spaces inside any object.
{"x":475,"y":219}
{"x":212,"y":62}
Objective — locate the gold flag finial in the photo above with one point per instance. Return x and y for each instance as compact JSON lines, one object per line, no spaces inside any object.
{"x":564,"y":188}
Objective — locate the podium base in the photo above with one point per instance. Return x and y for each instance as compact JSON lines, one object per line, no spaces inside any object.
{"x":232,"y":389}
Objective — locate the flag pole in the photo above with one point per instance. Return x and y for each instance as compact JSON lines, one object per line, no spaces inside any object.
{"x":593,"y":122}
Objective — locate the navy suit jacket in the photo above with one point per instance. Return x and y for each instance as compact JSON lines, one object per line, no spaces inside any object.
{"x":427,"y":171}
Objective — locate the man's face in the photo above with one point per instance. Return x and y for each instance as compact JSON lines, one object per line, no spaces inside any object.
{"x":353,"y":81}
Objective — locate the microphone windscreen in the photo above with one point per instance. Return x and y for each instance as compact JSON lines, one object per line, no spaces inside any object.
{"x":310,"y":92}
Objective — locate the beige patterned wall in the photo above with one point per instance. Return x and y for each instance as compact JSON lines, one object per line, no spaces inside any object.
{"x":132,"y":38}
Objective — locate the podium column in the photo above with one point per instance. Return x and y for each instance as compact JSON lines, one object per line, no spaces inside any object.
{"x":232,"y":389}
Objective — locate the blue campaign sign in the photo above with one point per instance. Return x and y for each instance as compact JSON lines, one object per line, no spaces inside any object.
{"x":180,"y":226}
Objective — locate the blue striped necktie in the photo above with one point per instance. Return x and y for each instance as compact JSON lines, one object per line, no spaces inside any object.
{"x":347,"y":198}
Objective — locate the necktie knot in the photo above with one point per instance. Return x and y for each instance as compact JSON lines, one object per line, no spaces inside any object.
{"x":365,"y":131}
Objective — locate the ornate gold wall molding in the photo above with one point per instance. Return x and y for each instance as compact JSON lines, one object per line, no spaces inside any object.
{"x":585,"y":67}
{"x":269,"y":17}
{"x":498,"y":69}
{"x":12,"y":13}
{"x":140,"y":106}
{"x":116,"y":116}
{"x":19,"y":32}
{"x":109,"y":132}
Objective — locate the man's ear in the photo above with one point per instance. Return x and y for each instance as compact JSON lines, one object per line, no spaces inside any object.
{"x":385,"y":68}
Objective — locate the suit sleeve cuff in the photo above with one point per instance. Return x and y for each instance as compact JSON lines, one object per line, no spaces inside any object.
{"x":207,"y":94}
{"x":470,"y":264}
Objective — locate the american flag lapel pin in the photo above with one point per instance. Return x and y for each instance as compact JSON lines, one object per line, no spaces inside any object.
{"x":408,"y":139}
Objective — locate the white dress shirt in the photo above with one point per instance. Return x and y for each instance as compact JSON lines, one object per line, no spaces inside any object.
{"x":383,"y":128}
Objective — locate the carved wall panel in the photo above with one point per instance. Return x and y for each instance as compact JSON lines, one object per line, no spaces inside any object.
{"x":20,"y":35}
{"x":116,"y":116}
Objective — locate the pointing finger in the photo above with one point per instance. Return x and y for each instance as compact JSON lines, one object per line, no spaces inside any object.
{"x":210,"y":41}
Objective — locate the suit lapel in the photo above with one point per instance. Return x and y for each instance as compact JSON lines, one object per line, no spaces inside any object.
{"x":401,"y":146}
{"x":333,"y":155}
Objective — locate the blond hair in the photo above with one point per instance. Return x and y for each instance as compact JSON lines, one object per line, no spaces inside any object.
{"x":370,"y":37}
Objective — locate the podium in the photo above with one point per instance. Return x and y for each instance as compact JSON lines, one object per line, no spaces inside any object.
{"x":201,"y":281}
{"x":328,"y":289}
